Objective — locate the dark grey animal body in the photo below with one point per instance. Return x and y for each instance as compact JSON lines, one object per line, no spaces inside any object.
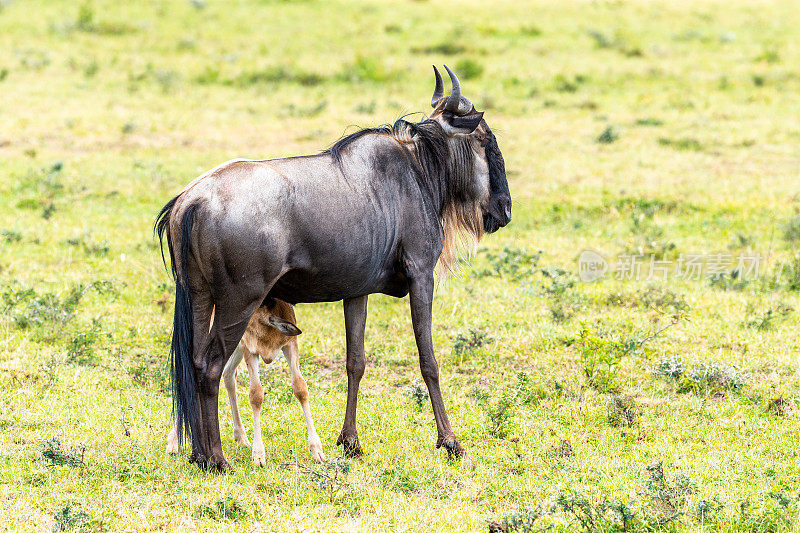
{"x":374,"y":214}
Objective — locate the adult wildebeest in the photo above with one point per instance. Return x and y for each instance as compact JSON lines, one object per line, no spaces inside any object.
{"x":272,"y":329}
{"x":373,"y":214}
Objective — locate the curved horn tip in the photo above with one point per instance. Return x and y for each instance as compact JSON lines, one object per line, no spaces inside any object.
{"x":454,"y":99}
{"x":438,"y":92}
{"x":454,"y":80}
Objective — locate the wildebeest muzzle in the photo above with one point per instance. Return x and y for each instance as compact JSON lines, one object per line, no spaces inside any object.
{"x":498,"y":213}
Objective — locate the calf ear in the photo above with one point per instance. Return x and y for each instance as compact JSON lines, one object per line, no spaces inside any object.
{"x":465,"y":124}
{"x":284,"y":326}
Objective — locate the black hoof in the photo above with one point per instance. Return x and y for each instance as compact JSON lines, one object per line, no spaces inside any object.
{"x":220,"y":467}
{"x":198,"y":458}
{"x":350,"y":446}
{"x":215,"y":465}
{"x":454,"y":449}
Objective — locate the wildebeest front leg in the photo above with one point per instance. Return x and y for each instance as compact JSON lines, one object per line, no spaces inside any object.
{"x":421,"y":296}
{"x":355,"y":320}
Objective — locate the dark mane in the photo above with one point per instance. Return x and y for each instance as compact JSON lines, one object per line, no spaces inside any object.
{"x":444,"y":166}
{"x":336,"y":149}
{"x":431,"y":155}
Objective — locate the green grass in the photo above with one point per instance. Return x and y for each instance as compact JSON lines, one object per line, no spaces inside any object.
{"x":566,"y":394}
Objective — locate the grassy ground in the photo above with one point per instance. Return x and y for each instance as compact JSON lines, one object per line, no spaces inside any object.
{"x":653,"y":128}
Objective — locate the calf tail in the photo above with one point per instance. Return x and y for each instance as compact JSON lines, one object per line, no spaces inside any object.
{"x":184,"y":405}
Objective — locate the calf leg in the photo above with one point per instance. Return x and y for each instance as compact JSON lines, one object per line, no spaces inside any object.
{"x":256,"y":400}
{"x":172,"y":439}
{"x":300,"y":390}
{"x":355,"y":320}
{"x":229,"y":378}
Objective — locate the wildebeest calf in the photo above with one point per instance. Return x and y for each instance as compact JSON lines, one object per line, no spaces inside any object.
{"x":271,"y":329}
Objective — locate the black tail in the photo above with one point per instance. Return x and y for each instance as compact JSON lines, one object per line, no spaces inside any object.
{"x":160,"y":228}
{"x":184,"y":407}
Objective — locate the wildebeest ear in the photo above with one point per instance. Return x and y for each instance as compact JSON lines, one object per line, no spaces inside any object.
{"x":465,"y":124}
{"x":284,"y":326}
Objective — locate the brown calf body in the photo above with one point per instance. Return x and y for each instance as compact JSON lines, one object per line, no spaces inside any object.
{"x":271,"y":328}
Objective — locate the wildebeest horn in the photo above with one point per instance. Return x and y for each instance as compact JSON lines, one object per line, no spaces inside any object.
{"x":455,"y":95}
{"x":455,"y":102}
{"x":438,"y":92}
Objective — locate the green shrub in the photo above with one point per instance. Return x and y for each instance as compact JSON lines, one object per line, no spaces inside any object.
{"x":684,"y":144}
{"x":599,"y":358}
{"x":73,"y":519}
{"x":50,"y":312}
{"x":729,"y":281}
{"x":366,"y":68}
{"x":90,"y":246}
{"x":791,"y":230}
{"x":592,"y":517}
{"x":609,"y":135}
{"x":649,"y":121}
{"x":763,"y":319}
{"x":713,"y":376}
{"x":81,"y":349}
{"x":41,"y":190}
{"x":705,"y":377}
{"x":621,"y":410}
{"x":655,"y":297}
{"x":558,"y":286}
{"x":708,"y":509}
{"x":419,"y":393}
{"x":472,"y":340}
{"x":789,"y":275}
{"x":670,"y":367}
{"x":530,"y":31}
{"x":514,"y":263}
{"x":56,"y":455}
{"x":500,"y":416}
{"x":621,"y":41}
{"x":521,"y":522}
{"x":668,"y":498}
{"x":11,"y":235}
{"x":227,"y":508}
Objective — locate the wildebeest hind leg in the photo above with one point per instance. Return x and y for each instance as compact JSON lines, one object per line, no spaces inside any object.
{"x":203,"y":311}
{"x":230,"y":323}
